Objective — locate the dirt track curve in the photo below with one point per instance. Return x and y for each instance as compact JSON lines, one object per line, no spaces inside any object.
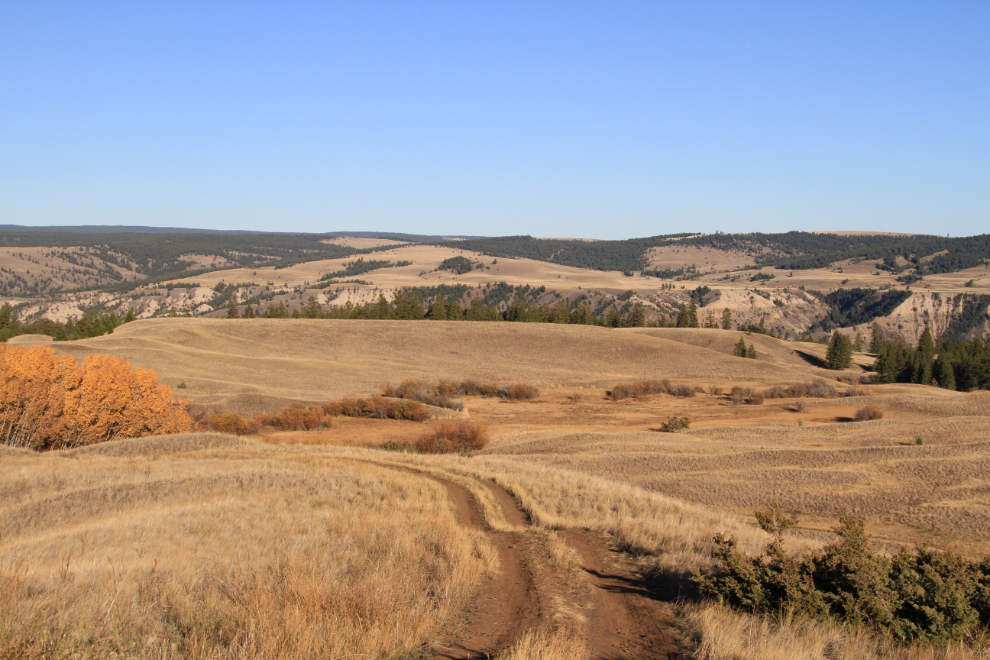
{"x":624,"y":621}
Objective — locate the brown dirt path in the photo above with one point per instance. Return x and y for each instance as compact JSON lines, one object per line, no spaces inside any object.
{"x":625,"y":622}
{"x":510,"y":604}
{"x":624,"y":619}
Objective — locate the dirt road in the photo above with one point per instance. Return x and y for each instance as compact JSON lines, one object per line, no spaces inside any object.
{"x":624,"y":621}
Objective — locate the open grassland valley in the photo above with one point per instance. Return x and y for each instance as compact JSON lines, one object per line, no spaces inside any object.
{"x":404,"y":447}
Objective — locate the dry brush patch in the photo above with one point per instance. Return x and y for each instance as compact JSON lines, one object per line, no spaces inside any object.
{"x":50,"y":401}
{"x":248,"y":551}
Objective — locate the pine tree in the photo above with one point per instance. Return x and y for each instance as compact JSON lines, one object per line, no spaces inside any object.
{"x":944,"y":372}
{"x":858,"y":344}
{"x":312,"y":309}
{"x":726,"y":319}
{"x":172,"y":313}
{"x":414,"y":307}
{"x":637,"y":317}
{"x":438,"y":309}
{"x":382,"y":309}
{"x":839,"y":353}
{"x":248,"y":313}
{"x":740,"y":348}
{"x":693,"y":315}
{"x":454,"y":311}
{"x":583,"y":315}
{"x":751,"y":352}
{"x":613,"y":319}
{"x":561,"y":312}
{"x":232,"y":312}
{"x":926,"y":345}
{"x":876,"y":340}
{"x":129,"y":316}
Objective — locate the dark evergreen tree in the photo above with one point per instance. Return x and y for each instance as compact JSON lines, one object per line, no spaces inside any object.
{"x":840,"y":352}
{"x":637,"y":317}
{"x":726,"y":319}
{"x":876,"y":340}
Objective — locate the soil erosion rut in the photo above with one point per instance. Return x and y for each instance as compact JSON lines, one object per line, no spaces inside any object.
{"x":624,"y":622}
{"x":510,"y":605}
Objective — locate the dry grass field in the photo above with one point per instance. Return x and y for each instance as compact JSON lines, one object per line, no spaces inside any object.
{"x":204,"y":546}
{"x":266,"y":363}
{"x":118,"y":545}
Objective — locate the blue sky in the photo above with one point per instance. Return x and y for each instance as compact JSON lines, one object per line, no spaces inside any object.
{"x":606,"y":120}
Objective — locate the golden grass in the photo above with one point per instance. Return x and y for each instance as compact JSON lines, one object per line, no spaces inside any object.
{"x":317,"y":360}
{"x":543,"y":644}
{"x":930,"y":494}
{"x":725,"y":635}
{"x":677,"y":535}
{"x":244,"y":551}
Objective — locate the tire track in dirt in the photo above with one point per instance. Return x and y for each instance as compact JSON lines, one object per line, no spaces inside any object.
{"x":510,"y":605}
{"x":626,"y":622}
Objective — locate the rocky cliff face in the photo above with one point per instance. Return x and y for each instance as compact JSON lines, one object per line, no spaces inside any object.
{"x":936,"y":311}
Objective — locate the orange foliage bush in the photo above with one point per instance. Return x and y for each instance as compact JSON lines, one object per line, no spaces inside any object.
{"x":520,"y":392}
{"x":302,"y":417}
{"x":50,"y":401}
{"x":449,"y":437}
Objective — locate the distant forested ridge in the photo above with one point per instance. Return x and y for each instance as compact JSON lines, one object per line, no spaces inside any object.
{"x":803,"y":250}
{"x":156,"y":255}
{"x":628,"y":255}
{"x":794,"y":250}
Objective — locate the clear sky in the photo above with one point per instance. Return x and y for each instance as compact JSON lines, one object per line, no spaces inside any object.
{"x":607,"y":120}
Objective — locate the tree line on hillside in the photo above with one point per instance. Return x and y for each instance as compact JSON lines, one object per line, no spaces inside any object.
{"x":794,"y":250}
{"x":954,"y":364}
{"x":849,"y":307}
{"x":523,"y":307}
{"x":157,"y":255}
{"x":90,"y":324}
{"x":360,"y":266}
{"x":627,"y":256}
{"x":409,"y":306}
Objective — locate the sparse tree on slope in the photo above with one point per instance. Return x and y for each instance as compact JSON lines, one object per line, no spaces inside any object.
{"x":637,"y":317}
{"x":840,"y":352}
{"x":312,"y":309}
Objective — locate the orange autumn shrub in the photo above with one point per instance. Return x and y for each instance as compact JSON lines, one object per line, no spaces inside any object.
{"x":50,"y":401}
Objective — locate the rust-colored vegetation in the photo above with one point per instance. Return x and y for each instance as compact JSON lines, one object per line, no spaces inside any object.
{"x":450,"y":437}
{"x":643,"y":388}
{"x":50,"y":401}
{"x":301,"y":417}
{"x":443,"y":393}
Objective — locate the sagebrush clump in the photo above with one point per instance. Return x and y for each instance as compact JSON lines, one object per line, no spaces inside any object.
{"x":303,"y":417}
{"x":451,"y":437}
{"x":815,"y":390}
{"x":925,"y":595}
{"x":675,"y":424}
{"x":868,"y":413}
{"x":441,"y":392}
